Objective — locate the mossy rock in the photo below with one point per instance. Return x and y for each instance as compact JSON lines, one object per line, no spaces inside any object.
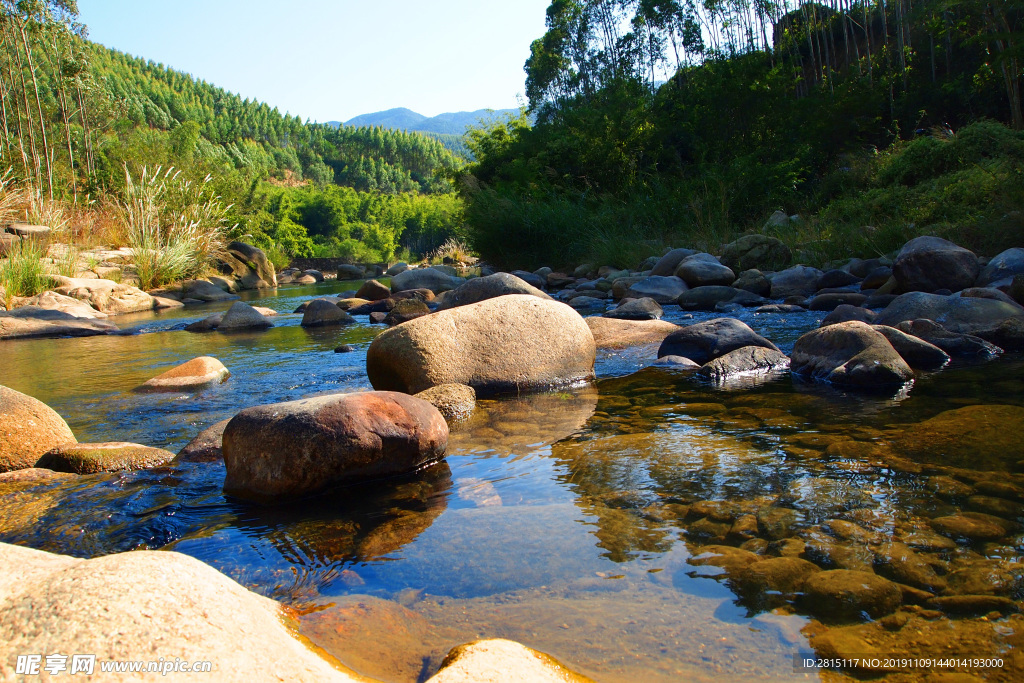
{"x":115,"y":456}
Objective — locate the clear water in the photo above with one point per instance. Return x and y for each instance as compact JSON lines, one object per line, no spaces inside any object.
{"x":566,"y":521}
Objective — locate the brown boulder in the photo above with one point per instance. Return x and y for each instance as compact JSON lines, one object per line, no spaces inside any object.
{"x":613,"y":333}
{"x":28,"y":429}
{"x":850,"y":594}
{"x":195,"y":374}
{"x":851,"y":354}
{"x":405,"y":310}
{"x":455,"y":401}
{"x":112,"y":456}
{"x":371,"y":290}
{"x":206,"y":447}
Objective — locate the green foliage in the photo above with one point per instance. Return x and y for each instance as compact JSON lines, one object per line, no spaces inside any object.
{"x":21,"y":273}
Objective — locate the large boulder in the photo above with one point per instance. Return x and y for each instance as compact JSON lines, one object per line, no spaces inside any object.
{"x":706,"y":341}
{"x":928,"y":264}
{"x":488,"y":287}
{"x":255,"y":262}
{"x":28,"y":429}
{"x":157,"y":603}
{"x":52,"y":301}
{"x":964,"y":315}
{"x":664,"y":290}
{"x":105,"y":295}
{"x":422,"y":278}
{"x":754,"y":281}
{"x":300,"y":447}
{"x":405,"y":310}
{"x":348,"y":271}
{"x":507,"y":343}
{"x":668,"y":263}
{"x":849,"y":354}
{"x":496,"y":660}
{"x":613,"y":333}
{"x":320,"y":313}
{"x":756,"y":251}
{"x":111,"y":456}
{"x":1003,"y":266}
{"x":454,"y":401}
{"x":533,"y":279}
{"x":795,"y":281}
{"x":644,"y":308}
{"x":704,"y":270}
{"x":197,"y":373}
{"x":13,"y":326}
{"x":242,"y":316}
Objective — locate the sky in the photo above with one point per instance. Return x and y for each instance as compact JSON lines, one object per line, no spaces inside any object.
{"x":332,"y":60}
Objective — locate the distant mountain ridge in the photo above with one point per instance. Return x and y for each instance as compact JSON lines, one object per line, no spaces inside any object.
{"x":450,"y":123}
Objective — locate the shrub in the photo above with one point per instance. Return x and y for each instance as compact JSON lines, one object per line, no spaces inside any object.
{"x":21,"y":273}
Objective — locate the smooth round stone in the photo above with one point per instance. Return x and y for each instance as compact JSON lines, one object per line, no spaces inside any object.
{"x":112,"y":456}
{"x":777,"y":575}
{"x":453,"y":401}
{"x":969,"y":528}
{"x":206,"y":447}
{"x":849,"y":594}
{"x":345,"y":348}
{"x":29,"y":428}
{"x":197,"y":373}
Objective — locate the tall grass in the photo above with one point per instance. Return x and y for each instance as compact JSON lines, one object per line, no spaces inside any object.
{"x":22,"y":273}
{"x":174,"y":226}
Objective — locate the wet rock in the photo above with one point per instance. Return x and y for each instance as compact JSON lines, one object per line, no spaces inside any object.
{"x":207,"y":324}
{"x":31,"y":476}
{"x":677,"y":363}
{"x":1000,"y":489}
{"x":780,"y":308}
{"x":483,"y":288}
{"x":377,"y":317}
{"x":301,"y":308}
{"x":320,"y":313}
{"x":12,"y":326}
{"x":454,"y":401}
{"x":973,"y":604}
{"x":113,"y":456}
{"x":371,"y":290}
{"x":744,"y":361}
{"x":960,"y":345}
{"x":766,"y":581}
{"x":756,"y":251}
{"x":834,"y":279}
{"x":703,"y":342}
{"x":964,"y":528}
{"x":404,"y":311}
{"x":399,"y":267}
{"x":961,"y":315}
{"x":668,"y":263}
{"x":926,"y":540}
{"x":501,"y":660}
{"x":795,"y":281}
{"x":345,"y":348}
{"x":1007,"y":335}
{"x":849,"y":354}
{"x":708,"y":297}
{"x":704,"y":270}
{"x":349,"y":271}
{"x":664,"y":290}
{"x":846,"y":312}
{"x":242,"y":316}
{"x":777,"y":523}
{"x":901,"y":563}
{"x":299,"y":447}
{"x":947,"y":487}
{"x":995,"y":506}
{"x":206,"y":447}
{"x":28,"y":429}
{"x":732,"y":560}
{"x":644,"y":308}
{"x":744,"y":527}
{"x":830,"y":302}
{"x":918,"y":353}
{"x":205,"y":291}
{"x":849,"y":531}
{"x":508,"y":343}
{"x":826,"y":552}
{"x":197,"y":373}
{"x":846,"y":594}
{"x":187,"y":609}
{"x":979,"y":437}
{"x":423,"y":278}
{"x":928,"y":264}
{"x":753,"y":281}
{"x":986,"y":577}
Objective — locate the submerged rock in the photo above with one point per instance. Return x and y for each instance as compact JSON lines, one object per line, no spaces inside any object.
{"x":846,"y":594}
{"x":502,"y":660}
{"x":111,"y":456}
{"x":28,"y":429}
{"x":850,"y":354}
{"x":980,"y":437}
{"x":703,"y":342}
{"x":300,"y":447}
{"x":195,"y":374}
{"x":508,"y":343}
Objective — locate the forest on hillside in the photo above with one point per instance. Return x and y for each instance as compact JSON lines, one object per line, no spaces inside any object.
{"x":687,"y":122}
{"x":80,"y":120}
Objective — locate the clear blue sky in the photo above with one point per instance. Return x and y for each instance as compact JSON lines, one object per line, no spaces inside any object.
{"x":332,"y":60}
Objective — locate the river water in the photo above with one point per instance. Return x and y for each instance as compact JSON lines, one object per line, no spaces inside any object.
{"x":571,"y":521}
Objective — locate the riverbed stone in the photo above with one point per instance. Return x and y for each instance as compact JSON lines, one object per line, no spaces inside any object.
{"x":301,"y":447}
{"x":242,"y":316}
{"x":849,"y":354}
{"x":256,"y":262}
{"x":849,"y":594}
{"x":321,"y":313}
{"x":979,"y":437}
{"x":668,"y":263}
{"x":768,"y":580}
{"x":703,"y":342}
{"x":197,"y":373}
{"x":795,"y":281}
{"x":611,"y":333}
{"x":350,"y":271}
{"x":663,"y":289}
{"x":754,"y":281}
{"x":928,"y":264}
{"x":846,"y":312}
{"x":482,"y":288}
{"x":204,"y":290}
{"x":762,"y":252}
{"x":1002,"y":266}
{"x":700,"y":270}
{"x":954,"y":343}
{"x":372,"y":290}
{"x":831,"y":301}
{"x":903,"y":564}
{"x":705,"y":298}
{"x":52,"y":301}
{"x":644,"y":308}
{"x":963,"y":315}
{"x":207,"y":324}
{"x":423,"y":278}
{"x":837,"y":278}
{"x":454,"y":401}
{"x":105,"y":295}
{"x":918,"y":353}
{"x":28,"y":429}
{"x":746,"y":360}
{"x":508,"y":343}
{"x":157,"y":603}
{"x":207,"y":446}
{"x":111,"y":456}
{"x":505,"y":661}
{"x":54,"y":324}
{"x":405,"y":310}
{"x":968,"y":528}
{"x":733,"y":560}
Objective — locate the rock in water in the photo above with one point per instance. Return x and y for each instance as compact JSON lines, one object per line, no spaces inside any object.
{"x":482,"y":288}
{"x":28,"y":429}
{"x":320,"y":313}
{"x":668,"y":263}
{"x":928,"y":264}
{"x":613,"y":333}
{"x":744,"y":361}
{"x":851,"y":594}
{"x":964,"y":315}
{"x":158,"y":603}
{"x":300,"y":447}
{"x":507,"y":343}
{"x":850,"y":354}
{"x":243,"y":317}
{"x":704,"y":270}
{"x":756,"y":251}
{"x":918,"y":353}
{"x":664,"y":290}
{"x":196,"y":374}
{"x":981,"y":437}
{"x":112,"y":456}
{"x":455,"y":401}
{"x":706,"y":341}
{"x":644,"y":308}
{"x":206,"y":447}
{"x":422,"y":278}
{"x":795,"y":281}
{"x":405,"y":310}
{"x":502,"y":660}
{"x":373,"y":291}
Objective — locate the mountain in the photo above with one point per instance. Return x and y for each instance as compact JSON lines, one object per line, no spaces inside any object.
{"x":451,"y":123}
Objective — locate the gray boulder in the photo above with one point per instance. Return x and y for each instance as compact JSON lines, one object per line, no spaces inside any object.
{"x":928,"y":264}
{"x":757,"y":251}
{"x":709,"y":297}
{"x":1005,"y":265}
{"x":668,"y":263}
{"x":965,"y":315}
{"x":747,"y":360}
{"x":254,"y":260}
{"x":348,"y":271}
{"x":703,"y":342}
{"x":849,"y":354}
{"x":837,"y":278}
{"x":845,"y":312}
{"x":530,"y":278}
{"x":321,"y":312}
{"x":488,"y":287}
{"x":205,"y":291}
{"x":795,"y":281}
{"x":701,"y":270}
{"x":832,"y":300}
{"x":422,"y":278}
{"x":919,"y":354}
{"x":644,"y":308}
{"x":399,"y":267}
{"x":754,"y":281}
{"x":664,"y":290}
{"x":954,"y":343}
